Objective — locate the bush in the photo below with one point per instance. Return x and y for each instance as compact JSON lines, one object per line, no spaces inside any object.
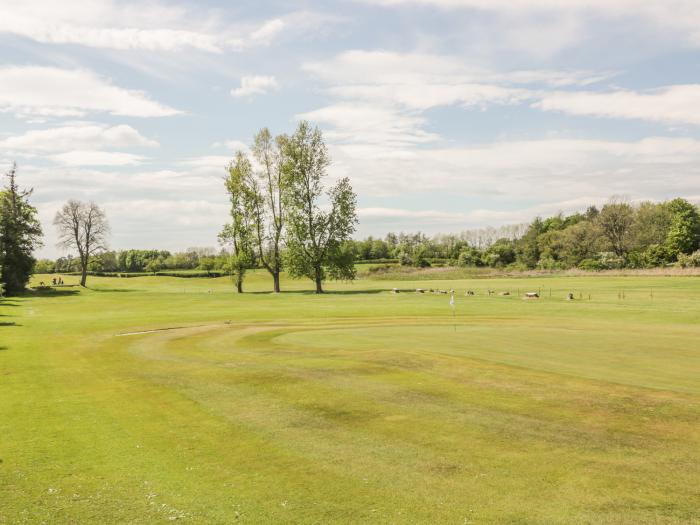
{"x":610,"y":261}
{"x":547,"y":263}
{"x":591,"y":265}
{"x":689,"y":261}
{"x":469,"y":257}
{"x":657,"y":255}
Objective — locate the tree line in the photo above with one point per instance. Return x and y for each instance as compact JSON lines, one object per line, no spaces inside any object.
{"x":618,"y":235}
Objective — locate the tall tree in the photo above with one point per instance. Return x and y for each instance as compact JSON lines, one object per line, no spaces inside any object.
{"x":82,"y":226}
{"x":239,"y":233}
{"x":616,"y":220}
{"x":20,"y":235}
{"x":267,"y":203}
{"x":684,"y":230}
{"x":316,"y":233}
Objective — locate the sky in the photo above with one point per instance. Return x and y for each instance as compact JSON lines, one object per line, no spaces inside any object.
{"x":445,"y":114}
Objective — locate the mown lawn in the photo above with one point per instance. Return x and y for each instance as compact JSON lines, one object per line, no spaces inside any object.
{"x":358,"y":406}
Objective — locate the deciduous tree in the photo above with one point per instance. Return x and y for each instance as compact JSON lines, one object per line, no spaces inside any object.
{"x":267,"y":203}
{"x":615,"y":221}
{"x":239,"y":233}
{"x":316,"y":229}
{"x":82,"y":226}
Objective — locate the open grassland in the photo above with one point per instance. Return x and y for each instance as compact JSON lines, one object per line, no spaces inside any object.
{"x":153,"y":399}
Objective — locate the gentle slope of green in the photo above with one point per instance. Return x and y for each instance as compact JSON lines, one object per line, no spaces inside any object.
{"x":358,"y":406}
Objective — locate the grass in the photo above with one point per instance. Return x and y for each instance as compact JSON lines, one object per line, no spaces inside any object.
{"x":359,"y":406}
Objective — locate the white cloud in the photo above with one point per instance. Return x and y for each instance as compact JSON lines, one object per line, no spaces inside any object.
{"x":268,"y":31}
{"x":361,"y":122}
{"x":82,"y":135}
{"x":678,"y":104}
{"x":545,"y":27}
{"x":123,"y":25}
{"x":511,"y":171}
{"x":97,"y":158}
{"x":255,"y":85}
{"x":382,"y":94}
{"x":50,"y":91}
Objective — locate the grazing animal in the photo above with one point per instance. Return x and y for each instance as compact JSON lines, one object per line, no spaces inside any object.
{"x":532,"y":295}
{"x":469,"y":292}
{"x":394,"y":290}
{"x":420,"y":290}
{"x":570,"y":297}
{"x":491,"y":292}
{"x":505,"y":293}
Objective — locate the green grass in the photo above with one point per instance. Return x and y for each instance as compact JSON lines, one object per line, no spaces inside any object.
{"x":358,"y":406}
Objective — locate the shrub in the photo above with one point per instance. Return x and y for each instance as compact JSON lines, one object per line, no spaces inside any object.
{"x":689,"y":261}
{"x":591,"y":265}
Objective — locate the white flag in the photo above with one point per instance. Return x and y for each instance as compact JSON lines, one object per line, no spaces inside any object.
{"x":452,"y":301}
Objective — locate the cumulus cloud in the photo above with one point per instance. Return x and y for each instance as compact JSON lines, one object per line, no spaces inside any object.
{"x":97,"y":158}
{"x":56,"y":92}
{"x":255,"y":85}
{"x":80,"y":135}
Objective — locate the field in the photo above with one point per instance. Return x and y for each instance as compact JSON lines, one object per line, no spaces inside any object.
{"x":157,"y":399}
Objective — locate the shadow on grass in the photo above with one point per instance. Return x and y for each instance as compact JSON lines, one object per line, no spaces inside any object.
{"x":112,"y":290}
{"x":8,"y":323}
{"x":311,"y":292}
{"x":50,"y":292}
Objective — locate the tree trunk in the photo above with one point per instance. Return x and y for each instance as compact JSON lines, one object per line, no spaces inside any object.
{"x":276,"y":281}
{"x":239,"y":285}
{"x":319,"y":281}
{"x":83,"y":275}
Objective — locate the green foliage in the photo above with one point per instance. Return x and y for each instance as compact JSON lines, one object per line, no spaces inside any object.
{"x":616,"y":220}
{"x":689,"y":260}
{"x":239,"y":233}
{"x":684,"y":231}
{"x":469,"y":256}
{"x":315,"y":234}
{"x":20,"y":235}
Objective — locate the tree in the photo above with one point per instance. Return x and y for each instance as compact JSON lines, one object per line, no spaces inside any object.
{"x":651,"y":224}
{"x":267,"y":203}
{"x":615,"y":221}
{"x":82,"y":226}
{"x":684,"y":230}
{"x":316,"y":234}
{"x":239,"y":233}
{"x":20,"y":235}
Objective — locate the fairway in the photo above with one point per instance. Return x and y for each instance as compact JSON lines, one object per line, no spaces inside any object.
{"x":158,"y":399}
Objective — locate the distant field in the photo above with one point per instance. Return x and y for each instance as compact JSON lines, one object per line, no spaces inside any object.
{"x":156,"y":399}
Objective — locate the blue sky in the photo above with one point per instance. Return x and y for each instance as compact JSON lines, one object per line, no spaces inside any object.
{"x":445,"y":114}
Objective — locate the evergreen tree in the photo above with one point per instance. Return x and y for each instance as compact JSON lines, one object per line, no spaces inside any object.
{"x":20,"y":235}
